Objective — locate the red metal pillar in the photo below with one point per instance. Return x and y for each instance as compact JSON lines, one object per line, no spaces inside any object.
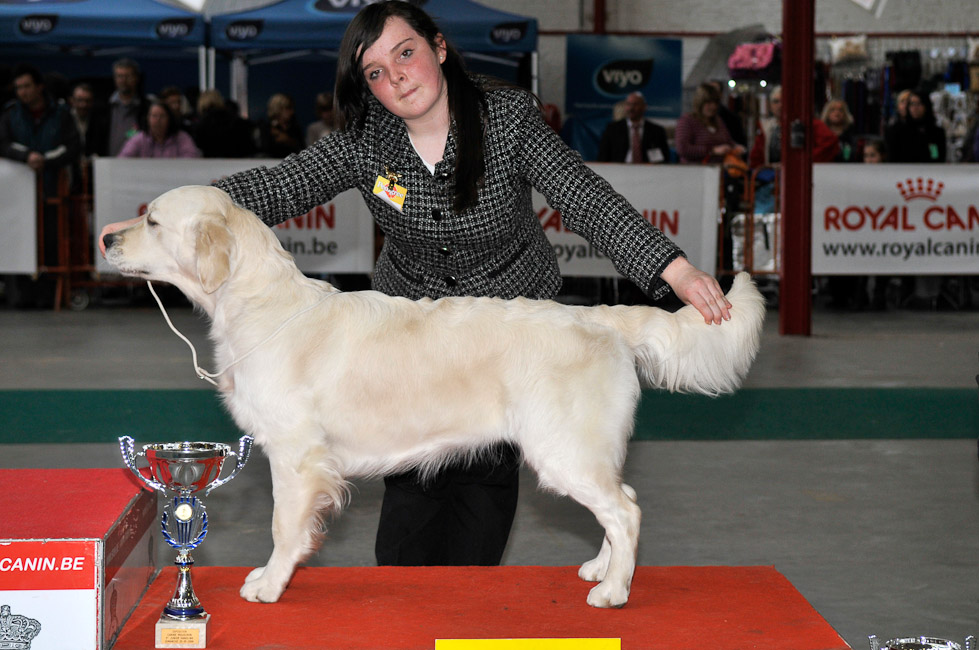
{"x":798,"y":44}
{"x":599,"y":8}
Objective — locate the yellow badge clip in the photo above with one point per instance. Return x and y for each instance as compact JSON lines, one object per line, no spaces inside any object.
{"x":388,"y":190}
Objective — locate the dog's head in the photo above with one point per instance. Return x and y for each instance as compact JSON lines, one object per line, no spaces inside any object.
{"x":184,"y":239}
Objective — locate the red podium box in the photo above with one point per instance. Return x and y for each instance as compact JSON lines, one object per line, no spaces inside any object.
{"x":77,"y":551}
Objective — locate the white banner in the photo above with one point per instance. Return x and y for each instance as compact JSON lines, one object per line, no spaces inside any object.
{"x":680,"y":200}
{"x":337,"y":237}
{"x":18,"y":218}
{"x":895,"y":219}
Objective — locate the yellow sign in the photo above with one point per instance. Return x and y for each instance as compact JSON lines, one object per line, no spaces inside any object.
{"x":180,"y":636}
{"x":528,"y":644}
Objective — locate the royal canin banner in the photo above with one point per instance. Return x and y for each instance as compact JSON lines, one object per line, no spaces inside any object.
{"x":337,"y":237}
{"x":895,"y":219}
{"x":680,"y":200}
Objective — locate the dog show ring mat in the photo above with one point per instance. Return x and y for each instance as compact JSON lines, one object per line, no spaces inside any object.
{"x":673,"y":608}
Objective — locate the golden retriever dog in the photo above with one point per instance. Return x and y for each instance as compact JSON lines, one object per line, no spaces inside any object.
{"x":336,"y":385}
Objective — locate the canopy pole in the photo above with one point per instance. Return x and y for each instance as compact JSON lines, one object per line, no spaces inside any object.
{"x":202,"y":67}
{"x":211,"y":71}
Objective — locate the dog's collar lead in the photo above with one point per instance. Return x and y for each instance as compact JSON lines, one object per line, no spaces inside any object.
{"x":211,"y":376}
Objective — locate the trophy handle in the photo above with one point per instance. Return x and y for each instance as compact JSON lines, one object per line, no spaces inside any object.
{"x":127,"y":447}
{"x":244,"y":450}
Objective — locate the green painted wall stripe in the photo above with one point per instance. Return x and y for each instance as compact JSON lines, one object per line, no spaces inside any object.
{"x":62,"y":416}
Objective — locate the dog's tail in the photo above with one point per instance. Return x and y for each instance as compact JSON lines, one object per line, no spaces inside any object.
{"x":680,"y":353}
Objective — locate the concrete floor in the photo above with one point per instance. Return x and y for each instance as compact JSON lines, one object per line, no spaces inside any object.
{"x":881,"y":536}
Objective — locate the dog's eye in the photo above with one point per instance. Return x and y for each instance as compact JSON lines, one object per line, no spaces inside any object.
{"x":150,"y":221}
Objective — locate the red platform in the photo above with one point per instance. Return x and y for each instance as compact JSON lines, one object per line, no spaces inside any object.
{"x":76,"y":552}
{"x":675,"y":608}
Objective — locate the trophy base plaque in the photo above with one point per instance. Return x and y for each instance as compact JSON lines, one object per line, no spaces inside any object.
{"x":171,"y":633}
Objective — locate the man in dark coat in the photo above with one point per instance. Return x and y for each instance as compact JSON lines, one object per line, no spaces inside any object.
{"x":632,"y":135}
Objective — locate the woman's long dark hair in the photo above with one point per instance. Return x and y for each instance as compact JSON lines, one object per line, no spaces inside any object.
{"x":467,"y":105}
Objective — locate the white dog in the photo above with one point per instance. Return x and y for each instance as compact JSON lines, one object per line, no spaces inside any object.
{"x":363,"y":384}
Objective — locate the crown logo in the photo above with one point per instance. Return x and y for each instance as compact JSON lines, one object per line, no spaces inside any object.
{"x":16,"y":631}
{"x":920,"y":189}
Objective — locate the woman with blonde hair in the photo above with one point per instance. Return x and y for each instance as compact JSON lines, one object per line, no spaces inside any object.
{"x":836,"y":115}
{"x":700,"y":134}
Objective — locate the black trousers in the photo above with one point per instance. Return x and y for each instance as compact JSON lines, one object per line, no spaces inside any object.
{"x":459,"y":517}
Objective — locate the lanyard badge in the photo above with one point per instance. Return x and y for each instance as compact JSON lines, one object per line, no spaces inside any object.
{"x":388,"y":190}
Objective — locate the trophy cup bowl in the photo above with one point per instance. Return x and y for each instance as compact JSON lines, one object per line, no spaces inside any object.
{"x":182,"y":470}
{"x":921,"y":643}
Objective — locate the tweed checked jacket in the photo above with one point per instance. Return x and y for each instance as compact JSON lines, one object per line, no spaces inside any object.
{"x":496,"y":248}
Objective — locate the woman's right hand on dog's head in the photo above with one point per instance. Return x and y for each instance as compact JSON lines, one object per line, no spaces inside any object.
{"x":113,"y":227}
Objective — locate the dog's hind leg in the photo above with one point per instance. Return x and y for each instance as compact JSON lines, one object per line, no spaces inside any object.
{"x":620,"y":517}
{"x":301,"y":491}
{"x":580,"y":452}
{"x":595,"y":570}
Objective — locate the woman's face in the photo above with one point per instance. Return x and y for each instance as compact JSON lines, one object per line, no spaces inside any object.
{"x":709,"y":108}
{"x":403,"y":72}
{"x":902,"y":105}
{"x":916,"y":107}
{"x":158,"y":121}
{"x":872,"y":155}
{"x":835,"y":114}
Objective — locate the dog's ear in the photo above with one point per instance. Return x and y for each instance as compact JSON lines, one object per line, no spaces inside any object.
{"x":215,"y":248}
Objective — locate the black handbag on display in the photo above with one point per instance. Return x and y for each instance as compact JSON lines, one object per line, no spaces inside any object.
{"x":906,"y":69}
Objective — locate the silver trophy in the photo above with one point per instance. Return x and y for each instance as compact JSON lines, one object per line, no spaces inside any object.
{"x":181,"y":470}
{"x":921,"y":643}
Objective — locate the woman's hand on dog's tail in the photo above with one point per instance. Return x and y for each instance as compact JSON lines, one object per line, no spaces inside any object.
{"x":694,"y":287}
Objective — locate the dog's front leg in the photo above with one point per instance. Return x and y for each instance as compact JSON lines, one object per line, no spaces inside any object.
{"x":295,"y":529}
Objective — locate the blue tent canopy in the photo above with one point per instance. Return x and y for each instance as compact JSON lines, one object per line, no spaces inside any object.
{"x":318,"y":25}
{"x":98,"y":23}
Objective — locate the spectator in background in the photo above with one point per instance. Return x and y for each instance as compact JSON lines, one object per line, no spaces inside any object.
{"x":180,"y":107}
{"x":161,"y":137}
{"x":220,"y":131}
{"x":733,"y":122}
{"x":900,"y":107}
{"x":90,"y":129}
{"x":279,"y":134}
{"x":767,"y":148}
{"x":39,"y":132}
{"x":873,"y":151}
{"x":36,"y":130}
{"x":324,"y":124}
{"x":917,"y":139}
{"x":127,"y":105}
{"x":701,"y":136}
{"x":634,"y":139}
{"x":836,"y":115}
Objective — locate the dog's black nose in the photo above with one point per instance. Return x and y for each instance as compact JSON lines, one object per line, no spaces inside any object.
{"x":109,"y":239}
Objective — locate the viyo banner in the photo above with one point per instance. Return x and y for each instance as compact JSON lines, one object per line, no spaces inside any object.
{"x":604,"y":70}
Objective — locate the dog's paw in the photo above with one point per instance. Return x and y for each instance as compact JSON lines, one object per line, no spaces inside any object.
{"x":255,"y":574}
{"x":594,"y":570}
{"x":261,"y":590}
{"x":606,"y":595}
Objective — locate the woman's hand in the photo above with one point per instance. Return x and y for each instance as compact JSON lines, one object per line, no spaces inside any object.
{"x":694,"y":287}
{"x":113,"y":227}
